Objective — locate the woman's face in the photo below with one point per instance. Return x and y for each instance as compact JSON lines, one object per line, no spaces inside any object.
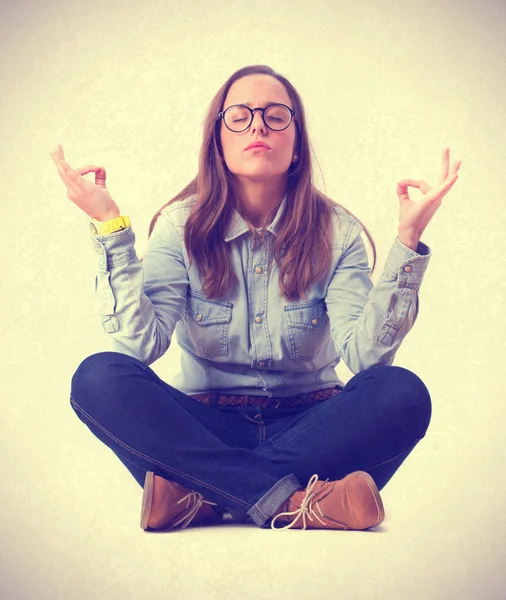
{"x":257,"y":91}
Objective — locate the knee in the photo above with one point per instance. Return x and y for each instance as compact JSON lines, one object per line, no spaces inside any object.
{"x":404,"y":394}
{"x":413,"y":397}
{"x":92,"y":371}
{"x":97,"y":373}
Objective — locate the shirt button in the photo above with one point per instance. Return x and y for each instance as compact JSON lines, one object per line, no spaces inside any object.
{"x":314,"y":321}
{"x":259,"y":270}
{"x":408,"y":268}
{"x":258,"y":319}
{"x":261,"y":363}
{"x":200,"y":316}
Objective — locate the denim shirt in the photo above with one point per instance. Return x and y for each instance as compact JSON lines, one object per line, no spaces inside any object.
{"x":253,"y":341}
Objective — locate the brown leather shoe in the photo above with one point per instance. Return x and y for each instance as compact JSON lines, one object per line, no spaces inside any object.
{"x":350,"y":503}
{"x":167,"y":504}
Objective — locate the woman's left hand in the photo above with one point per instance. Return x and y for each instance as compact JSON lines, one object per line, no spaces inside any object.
{"x":415,"y":216}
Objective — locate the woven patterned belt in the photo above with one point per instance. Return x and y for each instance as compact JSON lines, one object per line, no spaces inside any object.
{"x":230,"y":400}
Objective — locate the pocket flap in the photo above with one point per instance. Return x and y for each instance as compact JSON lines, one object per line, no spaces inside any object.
{"x":306,"y":315}
{"x":206,"y":312}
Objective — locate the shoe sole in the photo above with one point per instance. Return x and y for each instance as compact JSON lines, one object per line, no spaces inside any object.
{"x":377,"y":498}
{"x":147,"y":499}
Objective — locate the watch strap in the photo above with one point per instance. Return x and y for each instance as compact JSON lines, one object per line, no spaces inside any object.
{"x":112,"y":225}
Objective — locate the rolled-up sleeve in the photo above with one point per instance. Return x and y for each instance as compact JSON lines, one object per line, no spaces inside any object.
{"x":140,"y":302}
{"x":368,"y":322}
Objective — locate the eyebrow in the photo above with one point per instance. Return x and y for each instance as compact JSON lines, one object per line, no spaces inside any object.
{"x":269,"y":102}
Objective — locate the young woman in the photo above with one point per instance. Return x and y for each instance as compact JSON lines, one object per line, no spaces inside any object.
{"x":265,"y":282}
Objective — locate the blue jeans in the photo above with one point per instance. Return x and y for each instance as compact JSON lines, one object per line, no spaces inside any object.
{"x":248,"y":459}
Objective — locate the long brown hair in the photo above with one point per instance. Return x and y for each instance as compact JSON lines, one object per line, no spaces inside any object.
{"x":303,"y":245}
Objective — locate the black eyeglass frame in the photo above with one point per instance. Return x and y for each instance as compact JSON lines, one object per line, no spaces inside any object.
{"x":221,"y":115}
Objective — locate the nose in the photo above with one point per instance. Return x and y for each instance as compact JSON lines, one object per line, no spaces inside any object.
{"x":258,"y":122}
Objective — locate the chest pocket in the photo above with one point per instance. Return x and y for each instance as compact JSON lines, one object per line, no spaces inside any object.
{"x":207,"y":324}
{"x":308,"y":328}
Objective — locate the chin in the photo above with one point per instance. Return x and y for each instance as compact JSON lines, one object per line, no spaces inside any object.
{"x":258,"y":170}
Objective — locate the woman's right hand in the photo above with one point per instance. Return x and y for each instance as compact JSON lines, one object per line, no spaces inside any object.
{"x":93,"y":198}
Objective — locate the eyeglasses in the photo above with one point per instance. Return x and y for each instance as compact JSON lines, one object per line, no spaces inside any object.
{"x":239,"y":117}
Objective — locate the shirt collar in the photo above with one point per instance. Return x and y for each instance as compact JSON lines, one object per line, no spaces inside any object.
{"x":238,"y":225}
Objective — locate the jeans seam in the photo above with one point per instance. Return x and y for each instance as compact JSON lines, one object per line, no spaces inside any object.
{"x":154,"y":460}
{"x":394,"y":457}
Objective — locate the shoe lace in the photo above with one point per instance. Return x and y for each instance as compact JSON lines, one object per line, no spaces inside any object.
{"x":194,"y":501}
{"x":306,"y":509}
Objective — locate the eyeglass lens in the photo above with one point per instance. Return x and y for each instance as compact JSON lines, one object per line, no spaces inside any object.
{"x":238,"y":118}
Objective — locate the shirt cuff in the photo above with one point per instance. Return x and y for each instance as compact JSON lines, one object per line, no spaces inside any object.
{"x":406,"y":265}
{"x":114,"y":248}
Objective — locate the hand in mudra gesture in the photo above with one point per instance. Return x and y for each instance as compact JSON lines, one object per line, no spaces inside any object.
{"x":415,"y":216}
{"x":93,"y":198}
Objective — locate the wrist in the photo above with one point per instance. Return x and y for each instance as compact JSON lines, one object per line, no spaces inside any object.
{"x":108,"y":216}
{"x":409,"y":239}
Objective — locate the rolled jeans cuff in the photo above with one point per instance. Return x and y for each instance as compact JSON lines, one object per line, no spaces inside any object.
{"x":269,"y":503}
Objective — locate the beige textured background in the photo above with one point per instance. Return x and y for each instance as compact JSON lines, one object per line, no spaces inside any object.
{"x":386,"y":86}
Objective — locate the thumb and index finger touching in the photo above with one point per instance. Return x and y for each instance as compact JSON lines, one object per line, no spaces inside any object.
{"x":447,"y":179}
{"x":59,"y":158}
{"x":403,"y":185}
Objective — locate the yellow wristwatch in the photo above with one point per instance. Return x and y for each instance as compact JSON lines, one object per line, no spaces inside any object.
{"x":104,"y":227}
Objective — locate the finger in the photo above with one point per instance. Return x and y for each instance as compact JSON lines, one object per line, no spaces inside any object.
{"x":456,"y":167}
{"x":100,"y":177}
{"x":67,"y":182}
{"x":445,"y":164}
{"x":62,"y":167}
{"x":100,"y":174}
{"x":57,"y":155}
{"x":71,"y":173}
{"x":418,"y":183}
{"x":451,"y":180}
{"x":446,"y":186}
{"x":402,"y":190}
{"x":90,"y":169}
{"x":71,"y":178}
{"x":403,"y":197}
{"x":54,"y":154}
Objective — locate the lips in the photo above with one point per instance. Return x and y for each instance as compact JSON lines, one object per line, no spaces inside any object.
{"x":257,"y":145}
